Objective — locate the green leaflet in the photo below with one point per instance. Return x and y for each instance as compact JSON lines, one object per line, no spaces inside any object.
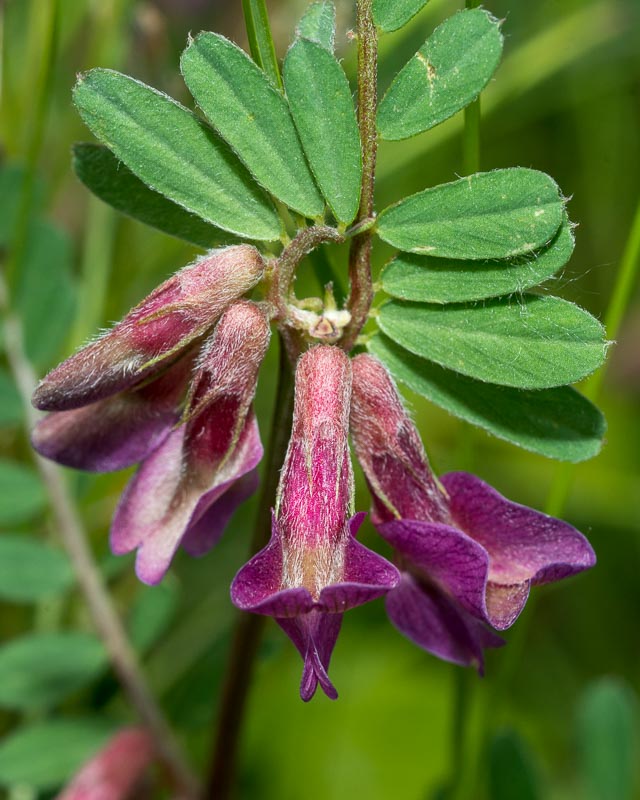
{"x":531,"y":342}
{"x":44,"y":755}
{"x":558,"y":423}
{"x":440,"y":280}
{"x":319,"y":24}
{"x":174,"y":153}
{"x":152,"y":612}
{"x":320,"y":99}
{"x":446,"y":74}
{"x":30,"y":570}
{"x":393,"y":14}
{"x":499,"y":214}
{"x":40,"y":670}
{"x":260,"y":39}
{"x":115,"y":184}
{"x":241,"y":103}
{"x":22,"y":495}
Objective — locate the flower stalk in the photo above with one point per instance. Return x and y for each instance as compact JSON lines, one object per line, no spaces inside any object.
{"x":361,"y":295}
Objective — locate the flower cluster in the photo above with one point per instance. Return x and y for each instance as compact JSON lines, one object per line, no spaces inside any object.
{"x":171,"y":387}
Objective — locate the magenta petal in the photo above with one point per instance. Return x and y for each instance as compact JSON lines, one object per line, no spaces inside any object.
{"x":366,"y":576}
{"x":161,"y":502}
{"x":315,"y":635}
{"x":203,"y":534}
{"x":525,"y":546}
{"x":447,"y":556}
{"x":433,"y":621}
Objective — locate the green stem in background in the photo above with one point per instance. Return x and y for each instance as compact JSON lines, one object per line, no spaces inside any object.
{"x":94,"y":271}
{"x":42,"y":96}
{"x":249,"y":627}
{"x":74,"y":538}
{"x":616,"y":310}
{"x":261,"y":43}
{"x":361,"y":294}
{"x":461,"y":693}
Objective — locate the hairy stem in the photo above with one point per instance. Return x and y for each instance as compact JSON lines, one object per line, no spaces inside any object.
{"x":249,"y":627}
{"x":70,"y":529}
{"x":361,"y":294}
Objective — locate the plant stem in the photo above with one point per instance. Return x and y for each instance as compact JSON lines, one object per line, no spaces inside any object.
{"x":261,"y":44}
{"x":361,"y":294}
{"x":74,"y":539}
{"x":249,"y":627}
{"x":620,"y":297}
{"x":40,"y":105}
{"x":461,"y":695}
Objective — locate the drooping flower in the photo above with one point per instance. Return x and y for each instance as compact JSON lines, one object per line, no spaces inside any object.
{"x":185,"y":491}
{"x":116,"y":399}
{"x":115,"y":771}
{"x":468,"y":555}
{"x":314,"y":569}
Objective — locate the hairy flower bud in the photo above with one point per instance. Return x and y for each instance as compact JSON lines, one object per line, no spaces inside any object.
{"x":155,"y":332}
{"x":313,"y":568}
{"x":171,"y":498}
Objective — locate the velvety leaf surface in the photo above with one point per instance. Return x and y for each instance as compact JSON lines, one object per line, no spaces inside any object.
{"x":558,"y":423}
{"x":393,"y":14}
{"x":499,"y":214}
{"x":45,"y":754}
{"x":174,"y":153}
{"x":531,"y":342}
{"x":319,"y":24}
{"x":115,"y":184}
{"x":39,"y":670}
{"x":322,"y":108}
{"x":10,"y":404}
{"x":607,"y":739}
{"x":442,"y":280}
{"x":22,"y":495}
{"x":242,"y":105}
{"x":446,"y":74}
{"x":31,"y":570}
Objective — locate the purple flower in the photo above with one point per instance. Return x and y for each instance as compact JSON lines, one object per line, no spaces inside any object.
{"x":313,"y":569}
{"x":468,"y":555}
{"x":116,"y":399}
{"x":185,"y":491}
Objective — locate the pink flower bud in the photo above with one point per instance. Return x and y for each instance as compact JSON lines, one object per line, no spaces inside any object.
{"x":155,"y":332}
{"x":389,"y":449}
{"x":313,"y":569}
{"x":182,"y":491}
{"x":115,"y":771}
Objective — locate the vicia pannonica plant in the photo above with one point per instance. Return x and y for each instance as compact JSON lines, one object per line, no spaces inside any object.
{"x":271,"y":165}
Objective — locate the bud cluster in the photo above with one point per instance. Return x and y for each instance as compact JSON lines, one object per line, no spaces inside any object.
{"x":171,"y":387}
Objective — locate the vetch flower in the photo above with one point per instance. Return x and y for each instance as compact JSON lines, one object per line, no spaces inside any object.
{"x":115,"y":771}
{"x":468,"y":555}
{"x":116,"y":399}
{"x":313,"y":569}
{"x":185,"y":491}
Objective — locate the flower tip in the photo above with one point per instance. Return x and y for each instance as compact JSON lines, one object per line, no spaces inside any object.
{"x":313,"y":674}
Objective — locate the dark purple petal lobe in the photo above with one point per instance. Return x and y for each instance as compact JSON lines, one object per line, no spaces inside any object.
{"x":525,"y":546}
{"x":314,"y":635}
{"x":436,"y":623}
{"x":445,"y":556}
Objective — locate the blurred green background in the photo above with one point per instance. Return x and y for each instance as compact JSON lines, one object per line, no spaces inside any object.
{"x":557,"y":714}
